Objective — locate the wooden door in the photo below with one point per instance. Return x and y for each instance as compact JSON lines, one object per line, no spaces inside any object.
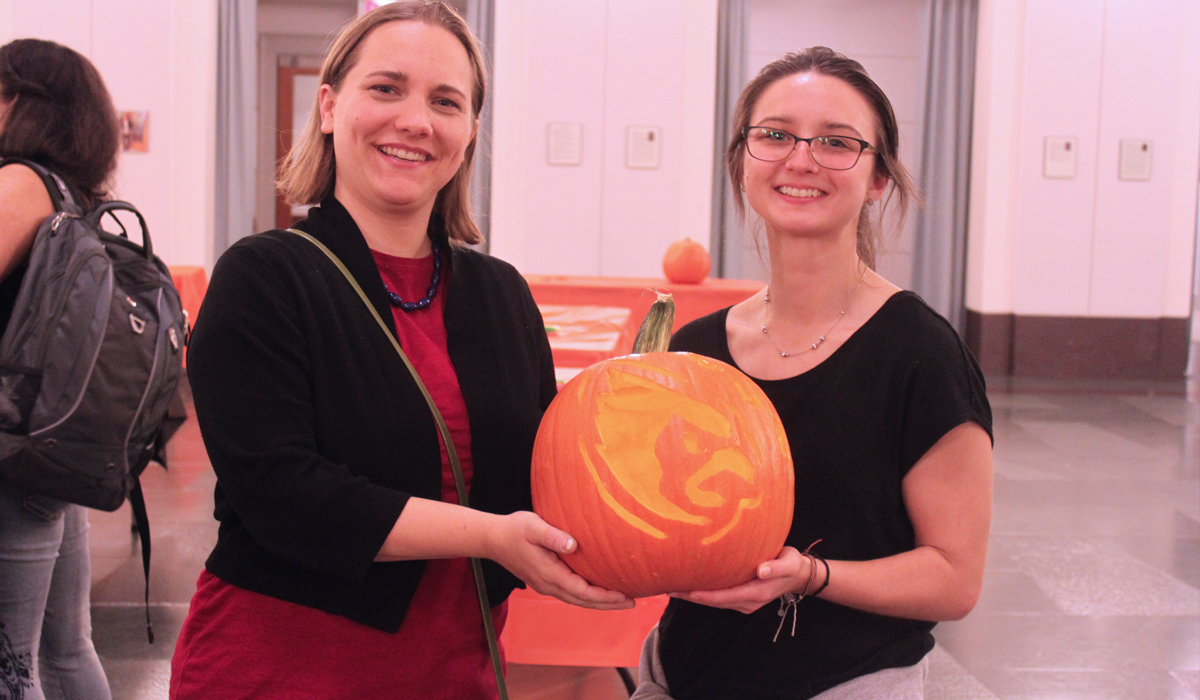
{"x":297,"y":88}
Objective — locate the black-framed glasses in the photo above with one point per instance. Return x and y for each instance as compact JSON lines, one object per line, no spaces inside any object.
{"x":830,"y":152}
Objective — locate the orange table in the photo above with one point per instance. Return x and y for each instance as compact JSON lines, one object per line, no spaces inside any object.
{"x":590,"y":319}
{"x":543,"y":631}
{"x":582,"y":335}
{"x":192,"y":283}
{"x":637,"y":294}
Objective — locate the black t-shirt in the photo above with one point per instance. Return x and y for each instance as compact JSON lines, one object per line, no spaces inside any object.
{"x":9,"y":288}
{"x":856,"y":424}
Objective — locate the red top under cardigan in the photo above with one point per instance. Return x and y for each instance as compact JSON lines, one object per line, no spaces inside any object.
{"x":236,"y":643}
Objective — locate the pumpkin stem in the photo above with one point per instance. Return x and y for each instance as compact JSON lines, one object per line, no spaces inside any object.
{"x":655,"y":332}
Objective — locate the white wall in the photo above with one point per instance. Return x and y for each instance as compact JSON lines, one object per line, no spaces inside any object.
{"x":1096,"y":70}
{"x":302,"y":19}
{"x":1093,"y":245}
{"x":160,"y":56}
{"x":996,"y":136}
{"x":1195,"y":359}
{"x":607,"y":65}
{"x":886,"y":37}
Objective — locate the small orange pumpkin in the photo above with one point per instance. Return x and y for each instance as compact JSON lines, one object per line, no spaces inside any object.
{"x":686,"y":262}
{"x":671,"y":470}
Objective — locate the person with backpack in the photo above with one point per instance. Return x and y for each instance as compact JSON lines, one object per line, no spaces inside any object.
{"x":56,"y":112}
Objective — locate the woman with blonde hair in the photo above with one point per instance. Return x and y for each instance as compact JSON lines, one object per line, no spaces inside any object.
{"x":341,"y":569}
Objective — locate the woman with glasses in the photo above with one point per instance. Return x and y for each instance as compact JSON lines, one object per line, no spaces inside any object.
{"x":884,"y":408}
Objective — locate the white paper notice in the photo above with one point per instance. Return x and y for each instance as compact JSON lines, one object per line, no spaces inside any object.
{"x":564,"y":143}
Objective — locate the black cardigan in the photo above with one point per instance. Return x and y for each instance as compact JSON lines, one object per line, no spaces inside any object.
{"x":319,"y":436}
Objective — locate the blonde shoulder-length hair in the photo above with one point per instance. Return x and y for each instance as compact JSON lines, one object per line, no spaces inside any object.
{"x":308,"y":173}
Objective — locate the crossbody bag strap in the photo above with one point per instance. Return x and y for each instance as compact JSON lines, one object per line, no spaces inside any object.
{"x":451,"y":452}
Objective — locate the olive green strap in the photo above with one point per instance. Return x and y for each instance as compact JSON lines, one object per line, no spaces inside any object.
{"x":451,"y":452}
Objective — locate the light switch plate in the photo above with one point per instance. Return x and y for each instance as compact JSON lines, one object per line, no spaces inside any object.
{"x":1059,"y":160}
{"x":1135,"y":159}
{"x":643,"y":147}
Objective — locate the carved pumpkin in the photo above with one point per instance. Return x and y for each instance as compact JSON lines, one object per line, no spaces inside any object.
{"x":686,"y":262}
{"x":671,"y":470}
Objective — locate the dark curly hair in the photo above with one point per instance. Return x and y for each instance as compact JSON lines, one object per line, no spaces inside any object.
{"x":60,"y":116}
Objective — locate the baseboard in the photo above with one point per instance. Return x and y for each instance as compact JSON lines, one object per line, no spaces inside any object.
{"x":1119,"y":351}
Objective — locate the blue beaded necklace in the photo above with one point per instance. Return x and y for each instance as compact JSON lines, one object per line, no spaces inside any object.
{"x":433,"y":285}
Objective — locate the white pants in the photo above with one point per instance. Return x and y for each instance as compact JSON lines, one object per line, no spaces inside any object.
{"x":907,"y":683}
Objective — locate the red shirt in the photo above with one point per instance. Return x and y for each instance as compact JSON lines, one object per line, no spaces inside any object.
{"x":236,"y":643}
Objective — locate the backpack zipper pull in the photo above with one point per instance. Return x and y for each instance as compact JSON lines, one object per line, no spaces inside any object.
{"x":58,"y":219}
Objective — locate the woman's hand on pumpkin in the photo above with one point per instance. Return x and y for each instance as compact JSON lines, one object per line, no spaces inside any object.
{"x":529,"y":547}
{"x":787,"y":573}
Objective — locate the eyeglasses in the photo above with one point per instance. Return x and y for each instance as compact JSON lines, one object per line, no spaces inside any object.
{"x":830,"y":152}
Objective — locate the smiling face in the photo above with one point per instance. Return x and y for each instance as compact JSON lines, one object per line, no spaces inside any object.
{"x":401,"y":120}
{"x":795,"y":195}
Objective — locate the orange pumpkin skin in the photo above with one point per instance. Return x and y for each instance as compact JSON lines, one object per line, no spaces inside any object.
{"x":686,"y":262}
{"x":671,"y":470}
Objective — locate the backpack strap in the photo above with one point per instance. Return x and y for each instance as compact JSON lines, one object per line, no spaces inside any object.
{"x":114,"y":205}
{"x":137,"y":501}
{"x":60,"y":194}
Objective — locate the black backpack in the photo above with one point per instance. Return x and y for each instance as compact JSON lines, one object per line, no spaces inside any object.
{"x":90,"y":360}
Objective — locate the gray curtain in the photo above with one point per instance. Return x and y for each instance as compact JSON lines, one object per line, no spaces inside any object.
{"x":726,"y":242}
{"x":940,"y":248}
{"x":236,"y":109}
{"x":481,"y":16}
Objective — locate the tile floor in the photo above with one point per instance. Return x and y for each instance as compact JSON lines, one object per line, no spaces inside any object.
{"x":1092,"y":587}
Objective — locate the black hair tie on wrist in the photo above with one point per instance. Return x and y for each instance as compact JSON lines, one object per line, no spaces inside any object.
{"x":823,"y":585}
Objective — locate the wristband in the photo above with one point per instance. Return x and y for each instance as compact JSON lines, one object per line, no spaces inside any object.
{"x":823,"y":585}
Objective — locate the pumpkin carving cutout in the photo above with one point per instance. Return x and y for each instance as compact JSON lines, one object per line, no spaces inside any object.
{"x":671,"y":470}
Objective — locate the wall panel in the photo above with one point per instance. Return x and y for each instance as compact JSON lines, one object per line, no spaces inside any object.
{"x":567,"y":60}
{"x":158,"y":56}
{"x":1132,"y":218}
{"x":604,"y":65}
{"x":1060,"y":97}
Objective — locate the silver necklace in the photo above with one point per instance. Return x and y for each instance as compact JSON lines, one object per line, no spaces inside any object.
{"x":814,"y":346}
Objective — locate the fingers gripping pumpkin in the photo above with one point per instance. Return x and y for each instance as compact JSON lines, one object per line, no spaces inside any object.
{"x":671,"y":470}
